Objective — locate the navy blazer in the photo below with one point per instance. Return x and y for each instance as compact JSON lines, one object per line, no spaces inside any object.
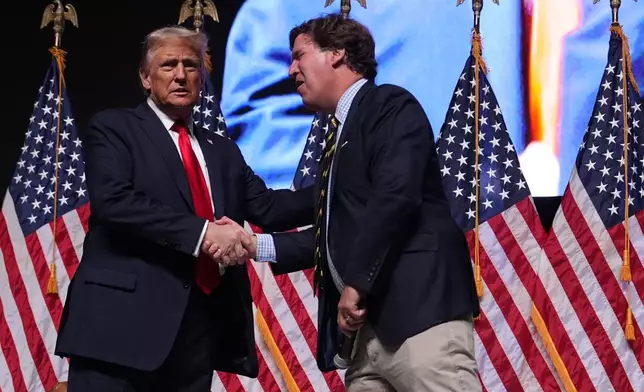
{"x":390,"y":233}
{"x":126,"y":300}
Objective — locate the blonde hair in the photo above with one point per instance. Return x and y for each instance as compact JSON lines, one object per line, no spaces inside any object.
{"x":197,"y":40}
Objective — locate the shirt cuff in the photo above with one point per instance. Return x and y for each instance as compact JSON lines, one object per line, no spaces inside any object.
{"x":203,"y":234}
{"x":265,"y":248}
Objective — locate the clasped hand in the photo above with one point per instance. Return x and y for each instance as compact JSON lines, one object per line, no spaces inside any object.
{"x":227,"y":243}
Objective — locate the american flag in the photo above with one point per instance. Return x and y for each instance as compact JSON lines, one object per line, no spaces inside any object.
{"x":207,"y":112}
{"x":581,"y":295}
{"x":287,"y":302}
{"x":509,"y":352}
{"x":43,"y":220}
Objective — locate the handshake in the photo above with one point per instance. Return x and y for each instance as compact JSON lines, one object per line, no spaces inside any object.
{"x":228,"y":243}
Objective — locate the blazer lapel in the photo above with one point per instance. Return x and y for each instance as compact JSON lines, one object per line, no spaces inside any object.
{"x":214,"y":165}
{"x":155,"y":130}
{"x":348,"y":125}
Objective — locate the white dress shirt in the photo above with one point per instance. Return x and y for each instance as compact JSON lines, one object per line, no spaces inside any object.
{"x":168,"y":123}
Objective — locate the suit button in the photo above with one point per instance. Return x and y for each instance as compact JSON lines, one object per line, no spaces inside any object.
{"x":186,"y":286}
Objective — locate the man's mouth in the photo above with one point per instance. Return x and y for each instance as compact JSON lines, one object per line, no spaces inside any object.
{"x":298,"y":84}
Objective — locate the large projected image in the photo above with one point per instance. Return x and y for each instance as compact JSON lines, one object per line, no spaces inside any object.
{"x":545,"y":78}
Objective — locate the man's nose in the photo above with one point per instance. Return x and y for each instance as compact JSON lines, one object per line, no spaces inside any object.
{"x":180,"y":72}
{"x":293,"y":70}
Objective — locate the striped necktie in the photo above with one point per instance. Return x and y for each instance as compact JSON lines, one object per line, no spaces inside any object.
{"x":321,"y":218}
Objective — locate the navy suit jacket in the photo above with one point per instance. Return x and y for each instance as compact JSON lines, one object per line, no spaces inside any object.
{"x":126,"y":300}
{"x":390,"y":232}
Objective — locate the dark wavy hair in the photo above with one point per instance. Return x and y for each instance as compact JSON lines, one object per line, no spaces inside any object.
{"x":334,"y":32}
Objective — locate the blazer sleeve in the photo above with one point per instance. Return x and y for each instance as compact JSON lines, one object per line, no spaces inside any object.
{"x":115,"y":201}
{"x":294,"y":251}
{"x":400,"y":143}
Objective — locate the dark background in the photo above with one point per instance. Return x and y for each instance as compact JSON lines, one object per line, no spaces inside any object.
{"x":101,"y":63}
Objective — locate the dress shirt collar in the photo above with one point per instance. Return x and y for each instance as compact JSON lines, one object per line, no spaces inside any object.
{"x":342,"y":110}
{"x":165,"y":119}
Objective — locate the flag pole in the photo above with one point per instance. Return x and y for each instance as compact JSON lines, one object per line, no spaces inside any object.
{"x":345,"y":6}
{"x":479,"y":65}
{"x":627,"y":68}
{"x":58,"y":14}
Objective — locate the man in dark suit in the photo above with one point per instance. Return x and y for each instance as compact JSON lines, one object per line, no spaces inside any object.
{"x":390,"y":261}
{"x":148,"y":309}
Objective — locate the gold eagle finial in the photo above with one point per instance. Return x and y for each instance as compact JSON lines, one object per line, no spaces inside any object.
{"x":58,"y":14}
{"x":345,"y":6}
{"x":198,"y":11}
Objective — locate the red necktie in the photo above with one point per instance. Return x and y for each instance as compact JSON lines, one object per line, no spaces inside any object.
{"x":207,"y":269}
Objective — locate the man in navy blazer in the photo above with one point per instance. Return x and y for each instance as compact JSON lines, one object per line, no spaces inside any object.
{"x":390,"y":262}
{"x":148,"y":309}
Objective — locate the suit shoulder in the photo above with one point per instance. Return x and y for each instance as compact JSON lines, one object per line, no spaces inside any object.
{"x":219,"y":140}
{"x":388,"y":91}
{"x":111,"y":116}
{"x":223,"y":144}
{"x":389,"y":97}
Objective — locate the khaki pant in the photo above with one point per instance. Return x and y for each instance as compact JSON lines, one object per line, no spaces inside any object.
{"x":439,"y":359}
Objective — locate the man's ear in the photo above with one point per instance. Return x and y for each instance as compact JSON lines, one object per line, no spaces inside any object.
{"x":337,"y":57}
{"x":145,"y":79}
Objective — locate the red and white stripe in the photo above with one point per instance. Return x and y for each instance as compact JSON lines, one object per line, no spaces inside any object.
{"x":290,"y":309}
{"x":29,"y":318}
{"x":582,"y":299}
{"x":509,"y":352}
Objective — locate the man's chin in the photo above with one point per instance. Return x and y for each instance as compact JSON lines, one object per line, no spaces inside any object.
{"x":182,"y":102}
{"x":179,"y":108}
{"x":311,"y":105}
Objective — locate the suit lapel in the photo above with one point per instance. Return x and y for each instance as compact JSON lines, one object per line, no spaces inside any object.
{"x":214,"y":165}
{"x":347,"y":127}
{"x":155,"y":130}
